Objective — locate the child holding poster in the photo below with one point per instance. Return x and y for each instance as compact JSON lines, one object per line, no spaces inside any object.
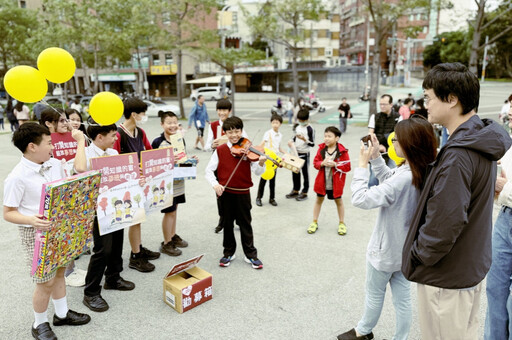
{"x":22,"y":195}
{"x":131,"y":138}
{"x":172,"y":241}
{"x":55,"y":120}
{"x":108,"y":249}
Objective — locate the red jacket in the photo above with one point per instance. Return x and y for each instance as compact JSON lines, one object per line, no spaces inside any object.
{"x":338,"y":178}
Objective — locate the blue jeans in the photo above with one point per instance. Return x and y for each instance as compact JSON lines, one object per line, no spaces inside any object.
{"x":498,"y":279}
{"x":373,"y":181}
{"x":376,"y":282}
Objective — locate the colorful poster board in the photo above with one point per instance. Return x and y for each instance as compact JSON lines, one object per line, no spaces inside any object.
{"x":65,"y":147}
{"x":157,"y":168}
{"x":70,"y":205}
{"x":121,"y":199}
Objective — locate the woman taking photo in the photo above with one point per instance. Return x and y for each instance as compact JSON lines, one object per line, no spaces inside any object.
{"x":397,"y":197}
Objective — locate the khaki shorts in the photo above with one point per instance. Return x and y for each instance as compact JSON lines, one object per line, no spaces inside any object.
{"x":27,"y":236}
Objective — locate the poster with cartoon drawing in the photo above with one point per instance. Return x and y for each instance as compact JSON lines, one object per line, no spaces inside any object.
{"x":120,"y":203}
{"x":157,"y":168}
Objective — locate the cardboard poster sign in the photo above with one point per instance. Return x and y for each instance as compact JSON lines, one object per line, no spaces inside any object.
{"x":121,"y":199}
{"x":178,"y":148}
{"x":157,"y":168}
{"x":70,"y":205}
{"x":64,"y":150}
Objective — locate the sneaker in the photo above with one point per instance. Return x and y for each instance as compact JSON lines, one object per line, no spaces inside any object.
{"x":218,"y":229}
{"x":170,"y":249}
{"x":75,"y":279}
{"x":179,"y":242}
{"x":258,"y":202}
{"x":352,"y":335}
{"x":256,"y":264}
{"x":140,"y":263}
{"x":312,"y":228}
{"x":148,"y":254}
{"x":292,"y":194}
{"x":302,"y":196}
{"x":273,"y":202}
{"x":225,"y":261}
{"x":342,"y":228}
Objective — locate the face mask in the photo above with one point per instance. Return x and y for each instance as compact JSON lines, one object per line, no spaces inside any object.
{"x":303,"y":123}
{"x":142,"y":121}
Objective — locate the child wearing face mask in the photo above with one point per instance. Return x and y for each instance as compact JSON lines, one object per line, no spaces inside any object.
{"x":303,"y":141}
{"x":131,"y":138}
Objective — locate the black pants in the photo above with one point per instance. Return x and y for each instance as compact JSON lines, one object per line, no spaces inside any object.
{"x":107,"y":254}
{"x":304,"y":170}
{"x":237,"y":207}
{"x":271,"y":185}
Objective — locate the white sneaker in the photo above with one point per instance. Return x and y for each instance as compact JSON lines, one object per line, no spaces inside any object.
{"x":81,"y":272}
{"x":75,"y":279}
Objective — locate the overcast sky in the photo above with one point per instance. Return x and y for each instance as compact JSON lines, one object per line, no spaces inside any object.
{"x":452,"y":20}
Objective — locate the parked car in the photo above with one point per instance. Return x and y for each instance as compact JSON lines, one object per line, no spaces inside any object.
{"x":84,"y":101}
{"x":157,"y":105}
{"x":208,"y":92}
{"x":55,"y":101}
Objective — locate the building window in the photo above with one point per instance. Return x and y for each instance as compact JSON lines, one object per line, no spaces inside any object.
{"x":156,"y":59}
{"x":418,"y":16}
{"x":168,"y":59}
{"x":411,"y":17}
{"x":425,"y":29}
{"x":23,"y":4}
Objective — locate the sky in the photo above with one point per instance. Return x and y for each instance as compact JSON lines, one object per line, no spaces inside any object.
{"x":455,"y":19}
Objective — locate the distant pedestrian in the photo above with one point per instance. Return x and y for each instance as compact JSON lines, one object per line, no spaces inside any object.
{"x":421,"y":108}
{"x":448,"y":246}
{"x":345,"y":114}
{"x":199,"y":117}
{"x":22,"y":112}
{"x":289,"y":110}
{"x":405,"y":110}
{"x":332,"y":162}
{"x":9,"y":113}
{"x":396,"y":197}
{"x":76,"y":105}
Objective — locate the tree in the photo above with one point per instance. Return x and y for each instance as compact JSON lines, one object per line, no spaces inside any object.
{"x":479,"y":24}
{"x":229,"y":58}
{"x":17,"y":29}
{"x":383,"y":15}
{"x":449,"y":47}
{"x":283,"y":22}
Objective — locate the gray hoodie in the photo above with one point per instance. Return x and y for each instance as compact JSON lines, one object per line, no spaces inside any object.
{"x":397,"y":198}
{"x":449,"y":241}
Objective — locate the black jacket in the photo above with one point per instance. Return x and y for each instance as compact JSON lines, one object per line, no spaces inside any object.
{"x":449,"y":241}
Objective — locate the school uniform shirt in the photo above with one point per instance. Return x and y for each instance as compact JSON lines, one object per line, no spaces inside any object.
{"x":272,"y":140}
{"x":213,"y":165}
{"x":126,"y":142}
{"x":178,"y":184}
{"x":93,"y":151}
{"x":336,"y":174}
{"x":308,"y":132}
{"x":213,"y":134}
{"x":23,"y":185}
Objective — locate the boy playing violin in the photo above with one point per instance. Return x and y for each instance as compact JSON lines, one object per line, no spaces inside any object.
{"x":232,"y":185}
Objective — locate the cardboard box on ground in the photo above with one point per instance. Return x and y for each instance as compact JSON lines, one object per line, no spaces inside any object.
{"x":187,"y":286}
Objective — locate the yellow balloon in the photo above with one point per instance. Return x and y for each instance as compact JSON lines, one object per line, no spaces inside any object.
{"x":392,"y":154}
{"x":26,"y":84}
{"x":57,"y":65}
{"x":106,"y":108}
{"x":390,"y":137}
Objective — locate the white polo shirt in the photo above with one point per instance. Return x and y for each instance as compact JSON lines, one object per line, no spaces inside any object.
{"x":23,"y":185}
{"x":272,"y":140}
{"x":92,"y":151}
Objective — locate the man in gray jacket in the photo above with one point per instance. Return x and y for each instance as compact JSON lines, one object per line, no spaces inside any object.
{"x":448,"y":247}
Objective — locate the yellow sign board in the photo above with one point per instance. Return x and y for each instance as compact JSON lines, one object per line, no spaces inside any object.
{"x":158,"y":70}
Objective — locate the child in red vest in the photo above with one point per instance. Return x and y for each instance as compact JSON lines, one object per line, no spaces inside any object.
{"x":231,"y":183}
{"x":332,"y":162}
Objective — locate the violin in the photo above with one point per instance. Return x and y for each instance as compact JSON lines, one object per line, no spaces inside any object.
{"x":244,"y":148}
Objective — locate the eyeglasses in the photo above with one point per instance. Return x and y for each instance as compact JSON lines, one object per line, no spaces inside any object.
{"x":62,"y":120}
{"x":394,"y":140}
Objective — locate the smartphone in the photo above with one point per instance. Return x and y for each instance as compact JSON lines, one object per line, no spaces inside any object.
{"x":365,"y":139}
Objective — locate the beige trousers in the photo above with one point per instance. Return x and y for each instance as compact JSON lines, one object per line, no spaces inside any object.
{"x":448,"y":314}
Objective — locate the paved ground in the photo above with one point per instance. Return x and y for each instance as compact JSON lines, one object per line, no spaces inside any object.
{"x":311,"y":287}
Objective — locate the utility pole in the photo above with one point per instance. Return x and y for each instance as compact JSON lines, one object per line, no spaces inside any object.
{"x":484,"y":63}
{"x":367,"y":59}
{"x":407,"y":81}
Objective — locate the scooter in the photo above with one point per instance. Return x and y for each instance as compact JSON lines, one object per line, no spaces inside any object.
{"x":317,"y":105}
{"x":276,"y":111}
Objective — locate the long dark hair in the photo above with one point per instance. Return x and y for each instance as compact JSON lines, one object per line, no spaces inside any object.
{"x":19,"y":106}
{"x":419,"y":145}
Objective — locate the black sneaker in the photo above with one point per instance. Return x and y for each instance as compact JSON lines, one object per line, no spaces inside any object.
{"x":303,"y":196}
{"x":170,"y":249}
{"x":258,"y":202}
{"x":292,"y":194}
{"x":352,"y":335}
{"x":179,"y":242}
{"x":140,"y":263}
{"x":256,"y":264}
{"x":273,"y":202}
{"x":225,"y":261}
{"x":148,"y":254}
{"x":43,"y":331}
{"x":218,"y":229}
